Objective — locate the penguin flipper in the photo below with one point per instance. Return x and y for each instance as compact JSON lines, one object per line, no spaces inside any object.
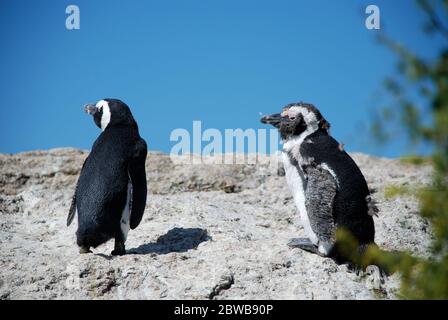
{"x":319,"y":198}
{"x":72,"y":211}
{"x":137,"y":174}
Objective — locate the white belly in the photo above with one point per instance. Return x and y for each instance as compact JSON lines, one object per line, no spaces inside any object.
{"x":126,"y":215}
{"x":295,"y":184}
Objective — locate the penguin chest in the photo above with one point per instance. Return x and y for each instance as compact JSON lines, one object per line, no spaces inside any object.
{"x":295,"y":179}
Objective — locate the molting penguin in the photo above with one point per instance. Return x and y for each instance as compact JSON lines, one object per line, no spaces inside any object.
{"x":110,"y":195}
{"x":328,"y":188}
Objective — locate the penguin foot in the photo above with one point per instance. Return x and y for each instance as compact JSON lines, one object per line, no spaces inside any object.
{"x":119,"y":249}
{"x":118,"y":252}
{"x":304,"y":244}
{"x":84,"y":249}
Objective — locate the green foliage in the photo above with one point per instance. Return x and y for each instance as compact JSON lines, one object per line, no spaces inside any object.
{"x":415,"y":160}
{"x":393,"y":191}
{"x":420,"y":88}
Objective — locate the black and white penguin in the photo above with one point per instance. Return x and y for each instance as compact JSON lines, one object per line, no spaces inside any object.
{"x":110,"y":195}
{"x":328,"y":188}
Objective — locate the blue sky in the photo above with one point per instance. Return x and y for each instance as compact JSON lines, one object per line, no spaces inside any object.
{"x":221,"y":62}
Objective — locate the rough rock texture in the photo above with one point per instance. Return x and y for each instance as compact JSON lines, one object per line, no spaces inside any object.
{"x":209,"y":232}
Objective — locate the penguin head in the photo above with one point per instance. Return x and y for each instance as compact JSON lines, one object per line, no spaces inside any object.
{"x":297,"y":118}
{"x":109,"y":113}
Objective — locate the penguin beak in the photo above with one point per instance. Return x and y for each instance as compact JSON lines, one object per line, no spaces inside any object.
{"x":274,"y":119}
{"x":90,"y":109}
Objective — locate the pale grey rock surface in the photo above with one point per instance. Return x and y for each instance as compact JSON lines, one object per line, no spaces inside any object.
{"x":209,"y":232}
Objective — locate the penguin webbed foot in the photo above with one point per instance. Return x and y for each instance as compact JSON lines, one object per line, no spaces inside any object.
{"x":84,"y":249}
{"x":118,"y":252}
{"x":119,"y":248}
{"x":304,"y":244}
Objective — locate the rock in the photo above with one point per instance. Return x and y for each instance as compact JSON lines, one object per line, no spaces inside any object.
{"x":225,"y":283}
{"x":209,"y":231}
{"x":10,"y":204}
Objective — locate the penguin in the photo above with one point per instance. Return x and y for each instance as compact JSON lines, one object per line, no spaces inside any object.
{"x":329,"y":189}
{"x":110,"y":194}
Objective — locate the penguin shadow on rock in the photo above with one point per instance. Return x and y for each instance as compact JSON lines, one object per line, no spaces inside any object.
{"x":328,"y":188}
{"x":175,"y":240}
{"x":111,"y":191}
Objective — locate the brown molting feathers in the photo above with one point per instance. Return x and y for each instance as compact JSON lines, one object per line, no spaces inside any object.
{"x":372,"y":209}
